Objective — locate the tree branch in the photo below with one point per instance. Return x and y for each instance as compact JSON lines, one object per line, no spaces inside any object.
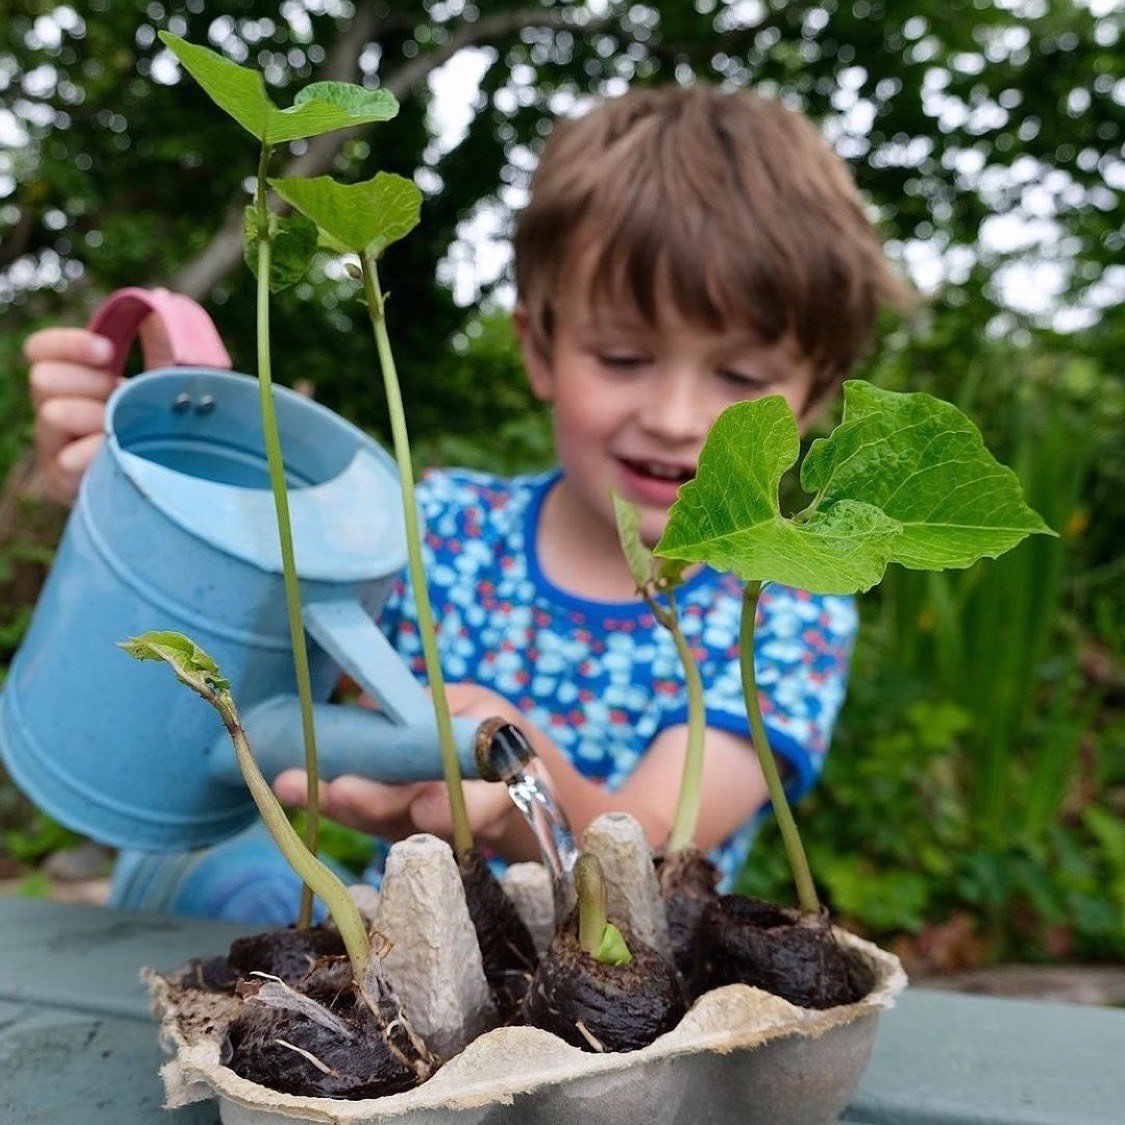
{"x":224,"y":251}
{"x":488,"y":30}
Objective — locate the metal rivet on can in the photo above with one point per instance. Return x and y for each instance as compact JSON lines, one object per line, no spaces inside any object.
{"x":181,"y":403}
{"x":205,"y":405}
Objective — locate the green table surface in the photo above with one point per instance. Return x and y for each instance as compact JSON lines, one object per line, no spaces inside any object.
{"x":78,"y":1046}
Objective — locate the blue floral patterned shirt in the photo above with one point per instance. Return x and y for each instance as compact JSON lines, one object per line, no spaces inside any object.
{"x":603,"y":678}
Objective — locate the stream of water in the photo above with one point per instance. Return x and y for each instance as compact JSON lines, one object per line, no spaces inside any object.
{"x":511,"y":759}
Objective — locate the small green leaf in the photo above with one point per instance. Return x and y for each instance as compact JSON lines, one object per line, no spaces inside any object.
{"x":612,"y":949}
{"x":190,"y":663}
{"x":361,"y":218}
{"x":729,"y":515}
{"x":356,"y":101}
{"x":637,"y":555}
{"x":241,"y":92}
{"x":924,"y":465}
{"x":294,"y":243}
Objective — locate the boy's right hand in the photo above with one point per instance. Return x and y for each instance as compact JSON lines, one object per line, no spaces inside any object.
{"x":395,"y":811}
{"x":69,"y":383}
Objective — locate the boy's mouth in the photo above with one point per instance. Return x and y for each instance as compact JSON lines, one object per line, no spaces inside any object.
{"x":662,"y":471}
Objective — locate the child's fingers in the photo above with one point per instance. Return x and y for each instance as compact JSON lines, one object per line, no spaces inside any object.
{"x":488,"y":806}
{"x":72,"y":345}
{"x":68,"y":434}
{"x":370,"y":806}
{"x":292,"y":788}
{"x":74,"y":459}
{"x":54,"y":378}
{"x":61,"y":420}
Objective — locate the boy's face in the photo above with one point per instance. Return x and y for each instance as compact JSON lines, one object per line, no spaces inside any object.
{"x":633,"y":403}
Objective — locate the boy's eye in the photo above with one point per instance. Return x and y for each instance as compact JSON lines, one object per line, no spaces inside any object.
{"x":621,"y":360}
{"x":742,"y":381}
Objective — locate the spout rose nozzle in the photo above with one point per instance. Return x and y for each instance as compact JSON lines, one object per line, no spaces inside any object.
{"x":502,"y":751}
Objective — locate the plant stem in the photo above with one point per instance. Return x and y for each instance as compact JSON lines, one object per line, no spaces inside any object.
{"x":316,"y":876}
{"x":589,"y":887}
{"x":451,"y":768}
{"x":284,"y":531}
{"x":691,"y":780}
{"x":798,"y":863}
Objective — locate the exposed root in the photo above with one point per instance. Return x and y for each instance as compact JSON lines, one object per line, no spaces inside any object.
{"x":323,"y":1067}
{"x":590,"y":1037}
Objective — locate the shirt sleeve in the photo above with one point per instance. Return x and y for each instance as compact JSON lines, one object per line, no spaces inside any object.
{"x":803,"y":644}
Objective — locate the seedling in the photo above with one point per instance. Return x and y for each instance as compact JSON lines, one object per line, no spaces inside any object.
{"x":319,"y":108}
{"x":598,"y":987}
{"x":597,"y":936}
{"x":361,"y":219}
{"x":193,"y":667}
{"x":904,"y":478}
{"x":364,"y":219}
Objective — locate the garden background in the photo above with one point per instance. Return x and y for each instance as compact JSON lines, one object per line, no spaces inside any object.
{"x":973,"y":807}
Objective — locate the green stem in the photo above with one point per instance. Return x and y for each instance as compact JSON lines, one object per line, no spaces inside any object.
{"x":691,"y":780}
{"x":451,"y":768}
{"x":323,"y":881}
{"x":284,"y":531}
{"x":798,"y":863}
{"x":589,"y":887}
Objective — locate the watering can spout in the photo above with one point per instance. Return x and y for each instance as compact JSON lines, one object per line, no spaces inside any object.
{"x":350,"y":740}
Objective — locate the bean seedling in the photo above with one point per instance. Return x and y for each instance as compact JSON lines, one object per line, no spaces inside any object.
{"x":904,"y":478}
{"x":278,"y":250}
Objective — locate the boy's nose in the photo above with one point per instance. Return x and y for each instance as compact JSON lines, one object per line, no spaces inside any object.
{"x":674,"y":409}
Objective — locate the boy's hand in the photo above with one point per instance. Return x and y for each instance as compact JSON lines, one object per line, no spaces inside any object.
{"x":397,"y":811}
{"x":69,"y":385}
{"x":475,"y":702}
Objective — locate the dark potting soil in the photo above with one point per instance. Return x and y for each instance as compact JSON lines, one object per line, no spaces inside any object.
{"x":687,"y":881}
{"x":506,"y":946}
{"x":292,"y":1052}
{"x":600,"y":1007}
{"x":743,"y":940}
{"x":287,"y":953}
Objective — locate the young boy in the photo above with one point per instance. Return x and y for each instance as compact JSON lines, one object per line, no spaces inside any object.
{"x":682,"y":250}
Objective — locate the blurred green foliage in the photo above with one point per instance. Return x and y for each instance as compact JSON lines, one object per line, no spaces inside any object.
{"x":38,"y":839}
{"x":348,"y":847}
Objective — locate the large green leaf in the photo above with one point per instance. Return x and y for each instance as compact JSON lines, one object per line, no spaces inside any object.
{"x":904,"y":478}
{"x":240,"y":92}
{"x":924,"y":464}
{"x":364,"y":217}
{"x":729,"y":514}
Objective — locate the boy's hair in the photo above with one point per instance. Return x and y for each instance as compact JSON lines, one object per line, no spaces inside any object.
{"x":733,"y":202}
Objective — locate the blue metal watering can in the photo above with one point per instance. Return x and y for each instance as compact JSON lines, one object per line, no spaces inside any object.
{"x":174,"y":528}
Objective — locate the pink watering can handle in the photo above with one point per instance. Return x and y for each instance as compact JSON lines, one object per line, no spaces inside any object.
{"x":180,"y":335}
